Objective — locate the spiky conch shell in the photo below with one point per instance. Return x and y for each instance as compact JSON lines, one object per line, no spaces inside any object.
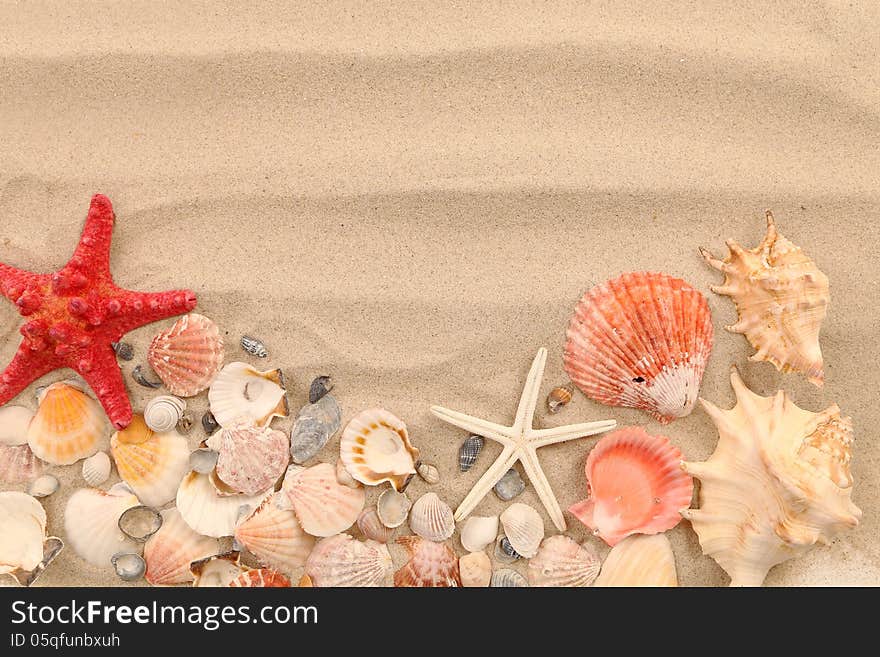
{"x":91,"y":522}
{"x":275,"y":537}
{"x":375,"y":448}
{"x":322,"y":504}
{"x":261,"y":578}
{"x":781,"y":298}
{"x":18,"y":463}
{"x":341,"y":560}
{"x":22,"y":532}
{"x":170,"y":551}
{"x":641,"y":341}
{"x":562,"y":562}
{"x":187,"y":356}
{"x":153,"y":464}
{"x":252,"y":458}
{"x":430,"y":565}
{"x":241,"y":393}
{"x":209,"y":512}
{"x":636,"y":486}
{"x":777,"y":483}
{"x":639,"y":560}
{"x":68,"y":426}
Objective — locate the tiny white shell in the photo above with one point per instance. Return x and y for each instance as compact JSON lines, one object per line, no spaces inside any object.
{"x":96,"y":469}
{"x":524,"y":529}
{"x":43,"y":486}
{"x":478,"y":532}
{"x":392,"y":508}
{"x":431,"y":518}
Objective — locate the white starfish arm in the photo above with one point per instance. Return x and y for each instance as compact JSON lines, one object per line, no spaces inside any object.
{"x":503,"y":463}
{"x":475,"y":425}
{"x":525,"y":412}
{"x":542,"y":437}
{"x":539,"y":481}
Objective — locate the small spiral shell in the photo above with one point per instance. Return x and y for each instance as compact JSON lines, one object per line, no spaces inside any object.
{"x":163,"y":413}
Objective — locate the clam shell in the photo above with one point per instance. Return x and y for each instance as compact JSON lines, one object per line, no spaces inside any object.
{"x":14,"y":421}
{"x":91,"y":522}
{"x":639,"y":560}
{"x":22,"y":532}
{"x":217,"y":571}
{"x":140,"y":522}
{"x":475,"y":570}
{"x":507,"y":578}
{"x":262,"y":578}
{"x":524,"y":528}
{"x":96,"y":469}
{"x":393,"y":508}
{"x":468,"y":452}
{"x":478,"y":532}
{"x":323,"y":506}
{"x":431,"y":518}
{"x":275,"y":537}
{"x":170,"y":551}
{"x":68,"y":426}
{"x":18,"y":464}
{"x":313,"y":428}
{"x":153,"y":464}
{"x":343,"y":561}
{"x":163,"y":413}
{"x":188,"y":355}
{"x":371,"y":526}
{"x":241,"y":393}
{"x":430,"y":564}
{"x":43,"y":486}
{"x":208,"y":512}
{"x":129,"y":566}
{"x":375,"y":448}
{"x":562,"y":562}
{"x":252,"y":458}
{"x":636,"y":486}
{"x":641,"y":341}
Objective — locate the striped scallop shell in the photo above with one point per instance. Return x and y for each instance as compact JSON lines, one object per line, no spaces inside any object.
{"x":170,"y":551}
{"x":639,"y":561}
{"x":562,"y":562}
{"x":252,"y":458}
{"x":431,"y":518}
{"x":153,"y":464}
{"x":375,"y":448}
{"x":18,"y":463}
{"x":241,"y":393}
{"x":323,"y":506}
{"x":91,"y":522}
{"x":642,"y":341}
{"x":341,"y":560}
{"x":524,"y":529}
{"x":275,"y":537}
{"x":14,"y":421}
{"x":68,"y":426}
{"x":207,"y":511}
{"x":261,"y":578}
{"x":430,"y":565}
{"x":22,"y":532}
{"x":188,"y":355}
{"x":96,"y":469}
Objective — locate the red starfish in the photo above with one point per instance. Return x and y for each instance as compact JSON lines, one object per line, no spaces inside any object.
{"x":74,"y":314}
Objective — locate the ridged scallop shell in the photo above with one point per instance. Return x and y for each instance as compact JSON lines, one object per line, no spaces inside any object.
{"x":781,"y":298}
{"x":96,"y":469}
{"x":241,"y":393}
{"x":68,"y":426}
{"x":170,"y":551}
{"x":431,"y":518}
{"x":262,"y":578}
{"x":323,"y":506}
{"x":217,"y":571}
{"x":208,"y":512}
{"x":188,"y":355}
{"x":153,"y":464}
{"x":561,"y":561}
{"x":14,"y":422}
{"x":371,"y":526}
{"x":252,"y":458}
{"x":163,"y":413}
{"x":524,"y":528}
{"x":639,"y":561}
{"x":636,"y":486}
{"x":343,"y":561}
{"x":375,"y":448}
{"x":91,"y":522}
{"x":275,"y":537}
{"x":642,"y":341}
{"x":393,"y":508}
{"x":18,"y":463}
{"x":475,"y":570}
{"x":478,"y":532}
{"x":22,"y":532}
{"x":431,"y":565}
{"x":777,"y":484}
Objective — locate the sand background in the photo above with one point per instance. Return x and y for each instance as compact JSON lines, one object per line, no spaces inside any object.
{"x":412,"y":198}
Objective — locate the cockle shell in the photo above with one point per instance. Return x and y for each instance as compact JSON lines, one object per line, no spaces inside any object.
{"x":781,"y":298}
{"x":170,"y":551}
{"x":91,"y":522}
{"x":375,"y":448}
{"x":561,"y":561}
{"x":22,"y":532}
{"x":478,"y":532}
{"x":275,"y":537}
{"x":163,"y":413}
{"x":639,"y":560}
{"x":323,"y":506}
{"x":642,"y":341}
{"x":262,"y":578}
{"x":18,"y":463}
{"x":431,"y":518}
{"x":243,"y":393}
{"x":475,"y":570}
{"x":393,"y":508}
{"x":635,"y":484}
{"x":507,"y":578}
{"x":68,"y":426}
{"x":371,"y":526}
{"x":217,"y":571}
{"x":14,"y":422}
{"x":252,"y":458}
{"x":96,"y":469}
{"x":430,"y":564}
{"x":524,"y":528}
{"x":313,"y":428}
{"x":188,"y":355}
{"x":777,"y":483}
{"x":153,"y":464}
{"x":341,"y":560}
{"x":208,"y":512}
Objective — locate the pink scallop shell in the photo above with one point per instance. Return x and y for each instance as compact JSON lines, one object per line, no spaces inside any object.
{"x":323,"y":506}
{"x":170,"y":551}
{"x":18,"y":463}
{"x":252,"y":459}
{"x":262,"y":578}
{"x":341,"y":560}
{"x":430,"y":564}
{"x":636,"y":486}
{"x":642,"y":341}
{"x":187,"y":356}
{"x":275,"y":537}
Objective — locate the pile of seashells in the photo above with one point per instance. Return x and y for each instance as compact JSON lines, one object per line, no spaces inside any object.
{"x":250,"y":505}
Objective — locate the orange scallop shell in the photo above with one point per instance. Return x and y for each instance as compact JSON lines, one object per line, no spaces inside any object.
{"x":188,"y":355}
{"x":261,"y":577}
{"x":275,"y":537}
{"x":68,"y":426}
{"x":323,"y":506}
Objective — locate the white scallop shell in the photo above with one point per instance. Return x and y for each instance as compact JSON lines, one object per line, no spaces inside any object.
{"x":240,"y":392}
{"x":375,"y":448}
{"x":343,"y":561}
{"x":14,"y":421}
{"x":22,"y":532}
{"x":91,"y":522}
{"x":393,"y":508}
{"x":639,"y":560}
{"x":562,"y":562}
{"x":163,"y":413}
{"x":323,"y":506}
{"x":475,"y":569}
{"x":208,"y":512}
{"x":524,"y":529}
{"x":431,"y":518}
{"x":170,"y":551}
{"x":275,"y":537}
{"x":96,"y":469}
{"x":478,"y":532}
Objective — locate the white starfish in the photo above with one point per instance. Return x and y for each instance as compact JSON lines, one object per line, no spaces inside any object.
{"x":521,"y":442}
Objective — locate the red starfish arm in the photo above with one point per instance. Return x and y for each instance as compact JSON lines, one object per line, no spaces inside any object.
{"x":14,"y":281}
{"x":26,"y":367}
{"x":92,"y":254}
{"x":100,"y":370}
{"x":140,"y":308}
